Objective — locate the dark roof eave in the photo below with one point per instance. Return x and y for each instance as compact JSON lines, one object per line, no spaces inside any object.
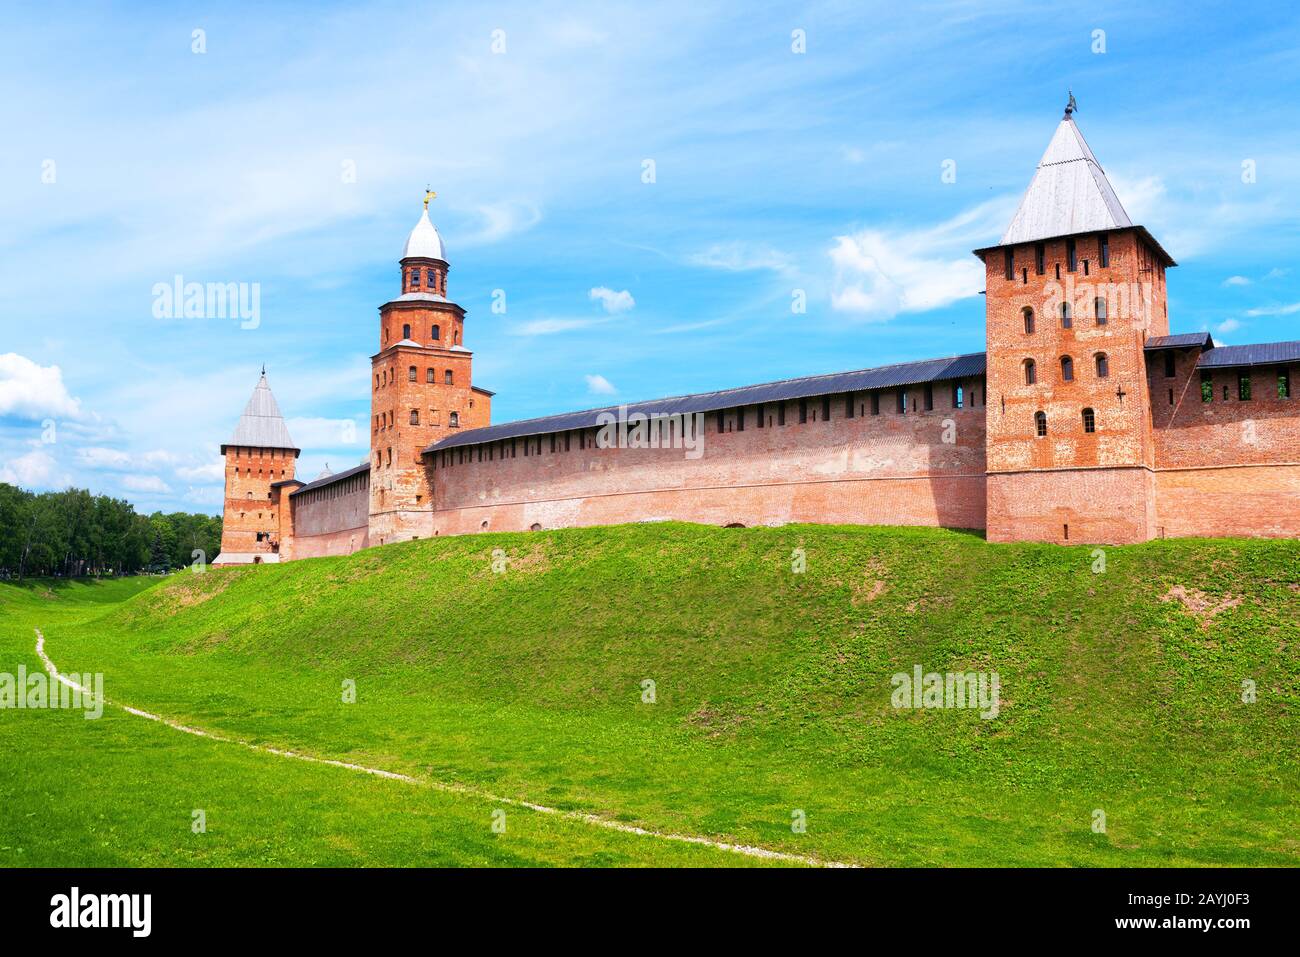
{"x":1140,"y":230}
{"x":860,"y":380}
{"x":240,"y":445}
{"x":331,"y":479}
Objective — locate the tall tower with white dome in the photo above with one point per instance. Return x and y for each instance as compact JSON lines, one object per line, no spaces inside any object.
{"x":421,"y":387}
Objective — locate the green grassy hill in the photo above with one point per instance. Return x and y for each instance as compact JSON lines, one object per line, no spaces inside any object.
{"x":1121,"y":692}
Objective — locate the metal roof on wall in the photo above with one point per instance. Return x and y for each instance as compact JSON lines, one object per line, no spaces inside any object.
{"x":1259,"y":354}
{"x":331,"y":479}
{"x":1183,"y":340}
{"x":881,"y":377}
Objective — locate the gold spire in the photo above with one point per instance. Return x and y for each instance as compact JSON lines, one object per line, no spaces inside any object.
{"x":428,"y":195}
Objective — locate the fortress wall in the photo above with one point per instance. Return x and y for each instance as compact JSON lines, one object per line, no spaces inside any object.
{"x":890,"y":468}
{"x":1227,"y":467}
{"x":249,"y":507}
{"x":332,"y":519}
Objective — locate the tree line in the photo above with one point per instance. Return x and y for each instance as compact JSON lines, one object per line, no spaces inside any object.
{"x":73,"y":533}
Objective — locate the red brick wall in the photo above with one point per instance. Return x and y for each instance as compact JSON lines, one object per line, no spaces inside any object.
{"x":332,"y":519}
{"x":1225,"y":467}
{"x":870,"y":469}
{"x":1134,"y":290}
{"x":400,"y":496}
{"x":249,"y":507}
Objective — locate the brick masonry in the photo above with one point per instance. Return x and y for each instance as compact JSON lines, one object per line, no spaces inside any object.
{"x":1130,"y":450}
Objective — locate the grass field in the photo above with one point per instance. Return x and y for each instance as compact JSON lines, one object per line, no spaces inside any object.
{"x":1121,"y":692}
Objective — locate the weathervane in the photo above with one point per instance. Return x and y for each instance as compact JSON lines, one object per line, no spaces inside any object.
{"x":1072,"y":106}
{"x":428,"y":195}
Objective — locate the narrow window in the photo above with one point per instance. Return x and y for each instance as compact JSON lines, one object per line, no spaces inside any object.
{"x":428,"y":375}
{"x":1103,"y":365}
{"x":1225,"y":393}
{"x":902,"y":401}
{"x":415,"y":279}
{"x":1040,"y":424}
{"x":1283,"y":384}
{"x":722,"y":420}
{"x":446,"y":377}
{"x":1207,"y":386}
{"x":1085,"y":267}
{"x":1029,"y":320}
{"x":1066,"y":319}
{"x":803,"y":411}
{"x":1024,"y":277}
{"x":740,"y":419}
{"x":1071,"y":256}
{"x":406,"y":331}
{"x":929,"y":397}
{"x":1067,"y":369}
{"x":958,"y":396}
{"x":1058,"y":270}
{"x":1171,"y":396}
{"x":1103,"y":256}
{"x":875,"y":403}
{"x":429,"y":279}
{"x":1243,"y":386}
{"x":760,"y":415}
{"x":1031,"y":372}
{"x":1010,"y":263}
{"x":1089,"y":420}
{"x":436,"y":333}
{"x":1099,"y":310}
{"x":826,"y":408}
{"x":848,"y":405}
{"x":415,"y":416}
{"x":1040,"y":258}
{"x":411,"y":374}
{"x":453,"y":420}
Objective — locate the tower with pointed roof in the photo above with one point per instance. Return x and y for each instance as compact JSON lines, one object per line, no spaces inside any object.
{"x":260,"y":459}
{"x":1074,"y":290}
{"x":421,"y":387}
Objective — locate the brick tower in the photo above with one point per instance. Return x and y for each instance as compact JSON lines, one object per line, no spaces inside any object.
{"x":259,"y":455}
{"x":420,"y":388}
{"x":1073,"y":292}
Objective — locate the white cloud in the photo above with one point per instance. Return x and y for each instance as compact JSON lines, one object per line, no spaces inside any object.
{"x":599,"y":385}
{"x":545,"y":327}
{"x":741,"y":257}
{"x":881,"y":273}
{"x":212,"y":471}
{"x":205,"y":495}
{"x":1274,"y":310}
{"x":1228,"y":325}
{"x":144,"y":483}
{"x":1236,"y":281}
{"x":501,"y":220}
{"x":322,"y":433}
{"x":611,"y":301}
{"x":32,"y":391}
{"x":1277,"y":272}
{"x":33,"y":470}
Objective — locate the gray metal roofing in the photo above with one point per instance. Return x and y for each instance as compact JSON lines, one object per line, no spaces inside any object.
{"x":1068,"y":194}
{"x":1259,"y":354}
{"x":1183,"y":340}
{"x":882,"y":377}
{"x":261,"y":426}
{"x":331,"y":479}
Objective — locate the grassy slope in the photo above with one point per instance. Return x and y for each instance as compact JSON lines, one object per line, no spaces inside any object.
{"x":120,"y":791}
{"x":773,"y":689}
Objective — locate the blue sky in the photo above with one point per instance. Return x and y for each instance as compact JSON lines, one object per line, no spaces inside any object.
{"x":130,"y":158}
